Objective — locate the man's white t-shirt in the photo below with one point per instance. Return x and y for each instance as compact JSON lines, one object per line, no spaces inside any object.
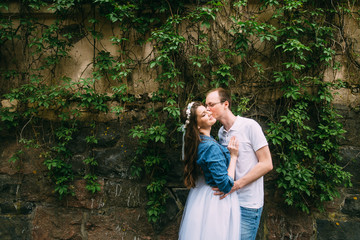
{"x":251,"y":138}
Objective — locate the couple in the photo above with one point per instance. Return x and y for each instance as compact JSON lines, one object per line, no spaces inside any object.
{"x":210,"y":170}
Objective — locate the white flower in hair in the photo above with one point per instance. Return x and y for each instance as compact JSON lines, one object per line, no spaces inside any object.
{"x":188,"y":113}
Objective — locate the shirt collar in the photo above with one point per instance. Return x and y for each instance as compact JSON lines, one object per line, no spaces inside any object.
{"x":234,"y":126}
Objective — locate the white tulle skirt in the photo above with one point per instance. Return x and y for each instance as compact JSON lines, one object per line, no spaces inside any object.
{"x":207,"y":217}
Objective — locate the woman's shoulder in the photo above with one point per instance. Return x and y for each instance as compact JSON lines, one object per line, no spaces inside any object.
{"x":208,"y":144}
{"x":207,"y":141}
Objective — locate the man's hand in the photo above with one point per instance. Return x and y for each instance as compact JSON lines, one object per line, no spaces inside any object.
{"x":221,"y":194}
{"x":217,"y":191}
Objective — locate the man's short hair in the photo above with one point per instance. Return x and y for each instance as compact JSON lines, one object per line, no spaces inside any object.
{"x":224,"y":95}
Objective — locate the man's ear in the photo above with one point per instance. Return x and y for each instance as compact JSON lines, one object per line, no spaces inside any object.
{"x":226,"y":103}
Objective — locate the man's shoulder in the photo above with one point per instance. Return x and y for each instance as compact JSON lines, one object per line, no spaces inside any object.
{"x":244,"y":121}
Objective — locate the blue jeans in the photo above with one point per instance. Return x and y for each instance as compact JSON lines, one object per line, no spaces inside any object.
{"x":250,"y":220}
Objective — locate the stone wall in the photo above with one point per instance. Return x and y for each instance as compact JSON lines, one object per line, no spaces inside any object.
{"x":29,"y":208}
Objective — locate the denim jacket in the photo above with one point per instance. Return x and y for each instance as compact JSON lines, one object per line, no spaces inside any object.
{"x":214,"y":160}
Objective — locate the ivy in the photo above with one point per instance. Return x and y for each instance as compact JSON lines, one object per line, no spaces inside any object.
{"x":211,"y":44}
{"x":309,"y":173}
{"x":57,"y":161}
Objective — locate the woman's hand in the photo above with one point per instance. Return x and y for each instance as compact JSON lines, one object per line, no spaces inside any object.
{"x":233,"y":147}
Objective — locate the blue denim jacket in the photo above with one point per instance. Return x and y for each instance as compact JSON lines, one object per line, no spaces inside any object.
{"x":214,"y":160}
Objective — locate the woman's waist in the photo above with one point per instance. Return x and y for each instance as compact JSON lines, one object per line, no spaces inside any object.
{"x":209,"y":180}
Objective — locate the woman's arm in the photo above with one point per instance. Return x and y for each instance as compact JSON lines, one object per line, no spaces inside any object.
{"x":222,"y":175}
{"x":234,"y":152}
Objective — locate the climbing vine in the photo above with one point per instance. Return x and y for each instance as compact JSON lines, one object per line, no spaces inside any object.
{"x":307,"y":132}
{"x":194,"y":47}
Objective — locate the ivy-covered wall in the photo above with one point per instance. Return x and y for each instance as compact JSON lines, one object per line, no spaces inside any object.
{"x":91,"y":94}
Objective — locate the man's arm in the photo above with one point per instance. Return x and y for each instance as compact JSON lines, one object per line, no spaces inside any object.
{"x":260,"y":169}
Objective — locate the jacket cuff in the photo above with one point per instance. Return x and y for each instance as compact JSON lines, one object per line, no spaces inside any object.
{"x":229,"y":185}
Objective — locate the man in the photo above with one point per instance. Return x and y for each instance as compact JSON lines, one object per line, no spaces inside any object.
{"x":253,"y":163}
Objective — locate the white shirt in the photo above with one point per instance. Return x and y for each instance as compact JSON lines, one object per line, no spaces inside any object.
{"x":251,"y":138}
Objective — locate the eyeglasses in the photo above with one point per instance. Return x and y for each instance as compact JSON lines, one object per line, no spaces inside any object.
{"x":212,"y":104}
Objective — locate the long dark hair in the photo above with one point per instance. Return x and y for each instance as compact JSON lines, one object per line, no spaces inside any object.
{"x":192,"y":140}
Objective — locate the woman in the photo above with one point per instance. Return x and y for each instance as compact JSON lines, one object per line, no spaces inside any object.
{"x":208,"y":164}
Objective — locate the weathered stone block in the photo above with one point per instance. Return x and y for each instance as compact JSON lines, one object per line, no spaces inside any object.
{"x":29,"y":161}
{"x":113,"y":162}
{"x":350,"y":121}
{"x":37,"y":187}
{"x":18,"y":207}
{"x":352,"y":206}
{"x":125,"y":193}
{"x":171,"y":212}
{"x":108,"y":134}
{"x":7,"y":150}
{"x":83,"y":198}
{"x":120,"y":223}
{"x":177,"y":166}
{"x":351,"y":161}
{"x":57,"y":223}
{"x":8,"y":186}
{"x":337,"y":230}
{"x":78,"y":144}
{"x":14,"y":227}
{"x":181,"y":194}
{"x":11,"y":105}
{"x":77,"y":163}
{"x":285,"y":223}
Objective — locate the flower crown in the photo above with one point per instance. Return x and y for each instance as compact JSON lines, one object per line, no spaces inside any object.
{"x":188,"y":113}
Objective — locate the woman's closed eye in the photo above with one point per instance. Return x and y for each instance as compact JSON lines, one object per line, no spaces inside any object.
{"x":205,"y":113}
